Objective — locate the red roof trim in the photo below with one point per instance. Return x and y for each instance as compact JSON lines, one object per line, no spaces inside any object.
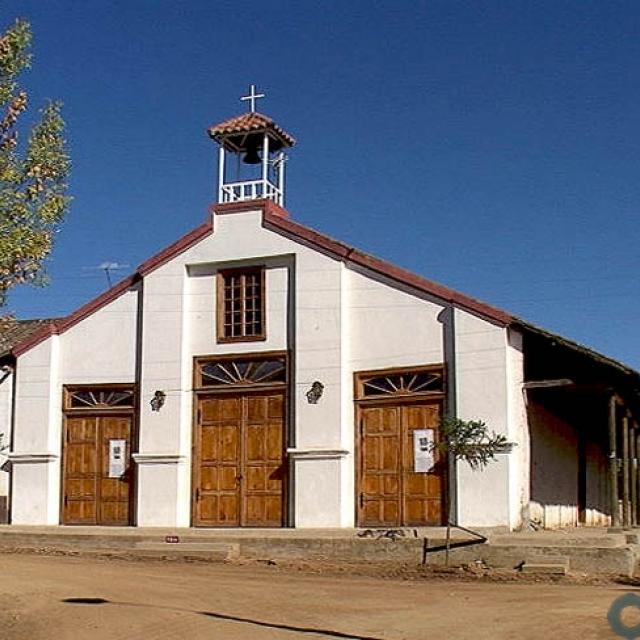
{"x":354,"y":256}
{"x":262,"y":204}
{"x":34,"y":339}
{"x":277,"y":219}
{"x":176,"y":248}
{"x":62,"y":325}
{"x":97,"y":303}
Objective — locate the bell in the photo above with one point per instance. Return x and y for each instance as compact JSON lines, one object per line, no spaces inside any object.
{"x":251,"y":156}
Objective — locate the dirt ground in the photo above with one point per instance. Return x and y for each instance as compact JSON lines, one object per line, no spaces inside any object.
{"x":43,"y":597}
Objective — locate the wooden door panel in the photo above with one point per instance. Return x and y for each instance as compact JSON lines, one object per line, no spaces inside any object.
{"x":422,"y":491}
{"x":390,"y":493}
{"x":115,"y":493}
{"x":263,"y":511}
{"x":380,"y":466}
{"x":80,"y":511}
{"x":217,"y":462}
{"x":263,"y":464}
{"x":228,"y":508}
{"x":114,"y":512}
{"x":256,"y":445}
{"x":80,"y":464}
{"x":79,"y":488}
{"x":89,"y":495}
{"x":82,"y":459}
{"x":239,"y":458}
{"x":256,"y":478}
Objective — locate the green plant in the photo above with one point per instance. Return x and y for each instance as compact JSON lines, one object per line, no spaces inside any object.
{"x":469,"y":441}
{"x":33,"y":197}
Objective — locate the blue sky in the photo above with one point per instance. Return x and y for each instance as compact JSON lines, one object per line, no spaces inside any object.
{"x":490,"y":146}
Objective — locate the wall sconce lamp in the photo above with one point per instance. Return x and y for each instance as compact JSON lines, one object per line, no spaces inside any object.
{"x":315,"y":393}
{"x":157,"y":402}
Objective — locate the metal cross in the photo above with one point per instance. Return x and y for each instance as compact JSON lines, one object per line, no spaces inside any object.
{"x":252,"y":96}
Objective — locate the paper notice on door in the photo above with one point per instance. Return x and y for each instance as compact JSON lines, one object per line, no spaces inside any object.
{"x":423,"y":458}
{"x":117,"y":453}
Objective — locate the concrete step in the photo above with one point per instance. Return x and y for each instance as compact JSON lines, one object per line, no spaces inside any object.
{"x":546,"y":569}
{"x":594,"y":560}
{"x":562,"y":540}
{"x":210,"y":550}
{"x":513,"y":552}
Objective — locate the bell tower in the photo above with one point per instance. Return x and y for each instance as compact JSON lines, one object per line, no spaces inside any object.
{"x":251,"y":155}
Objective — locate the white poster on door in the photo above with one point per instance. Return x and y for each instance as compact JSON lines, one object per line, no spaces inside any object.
{"x":117,"y":453}
{"x":423,"y":458}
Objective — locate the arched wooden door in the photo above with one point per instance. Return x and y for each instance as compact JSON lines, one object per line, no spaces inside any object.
{"x":97,"y":471}
{"x":239,"y":448}
{"x":400,"y":479}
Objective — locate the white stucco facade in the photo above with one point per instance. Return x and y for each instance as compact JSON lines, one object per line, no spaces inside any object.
{"x":6,"y":411}
{"x":333,"y":318}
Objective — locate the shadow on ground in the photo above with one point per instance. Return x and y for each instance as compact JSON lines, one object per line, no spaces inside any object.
{"x":227,"y":617}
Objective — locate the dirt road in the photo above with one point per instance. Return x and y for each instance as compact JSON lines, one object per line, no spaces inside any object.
{"x":77,"y":598}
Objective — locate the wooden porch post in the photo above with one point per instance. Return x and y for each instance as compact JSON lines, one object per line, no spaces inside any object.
{"x":613,"y":464}
{"x":634,"y":474}
{"x":626,"y":520}
{"x":636,"y":433}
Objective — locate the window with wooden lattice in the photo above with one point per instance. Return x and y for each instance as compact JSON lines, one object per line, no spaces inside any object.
{"x":241,"y":305}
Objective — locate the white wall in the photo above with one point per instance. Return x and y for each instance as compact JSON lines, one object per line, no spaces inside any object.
{"x":99,"y":349}
{"x":390,"y":327}
{"x":484,"y":391}
{"x":6,"y":401}
{"x":384,"y":327}
{"x":554,"y":469}
{"x":35,"y":456}
{"x":518,"y":432}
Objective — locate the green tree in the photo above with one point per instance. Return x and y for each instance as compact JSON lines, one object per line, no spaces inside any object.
{"x":33,"y":189}
{"x":469,"y":441}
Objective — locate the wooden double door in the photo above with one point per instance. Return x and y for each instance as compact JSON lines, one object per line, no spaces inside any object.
{"x":390,"y":491}
{"x":94,"y":492}
{"x":240,"y":473}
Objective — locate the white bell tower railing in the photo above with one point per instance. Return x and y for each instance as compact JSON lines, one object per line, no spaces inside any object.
{"x":259,"y":188}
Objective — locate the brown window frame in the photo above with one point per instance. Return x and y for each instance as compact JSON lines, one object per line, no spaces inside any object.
{"x":69,"y":390}
{"x":221,"y":280}
{"x":361,"y":377}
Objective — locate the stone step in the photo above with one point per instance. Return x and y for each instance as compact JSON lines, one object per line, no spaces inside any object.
{"x":550,"y":559}
{"x":547,"y":569}
{"x":210,"y":550}
{"x":562,"y":540}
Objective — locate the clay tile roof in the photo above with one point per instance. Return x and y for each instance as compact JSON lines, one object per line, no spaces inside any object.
{"x":252,"y":122}
{"x":14,"y":331}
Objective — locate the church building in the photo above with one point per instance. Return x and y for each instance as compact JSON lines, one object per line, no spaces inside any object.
{"x":257,"y":373}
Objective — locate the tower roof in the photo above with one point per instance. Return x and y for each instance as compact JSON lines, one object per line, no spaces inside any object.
{"x":232,"y":133}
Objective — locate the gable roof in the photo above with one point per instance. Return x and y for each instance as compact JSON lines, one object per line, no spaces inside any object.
{"x":277,"y":219}
{"x":13,"y":332}
{"x":229,"y":133}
